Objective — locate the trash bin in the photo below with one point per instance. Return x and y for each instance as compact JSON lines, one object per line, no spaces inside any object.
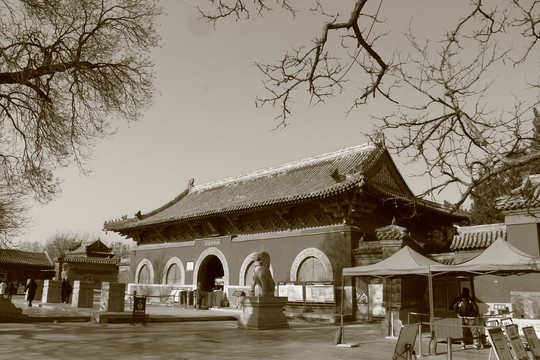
{"x":183,"y":297}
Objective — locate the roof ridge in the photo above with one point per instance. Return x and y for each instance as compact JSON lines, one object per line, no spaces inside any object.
{"x":284,"y":167}
{"x":481,"y":226}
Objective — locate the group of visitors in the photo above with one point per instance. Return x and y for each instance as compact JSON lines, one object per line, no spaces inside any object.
{"x":8,"y":288}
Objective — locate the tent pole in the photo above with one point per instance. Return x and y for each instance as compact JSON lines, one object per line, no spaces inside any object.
{"x":342,"y":301}
{"x":431,"y":310}
{"x":471,"y":281}
{"x":368,"y":300}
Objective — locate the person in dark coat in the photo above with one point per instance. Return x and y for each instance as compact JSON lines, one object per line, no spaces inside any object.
{"x":31,"y":289}
{"x":467,"y":310}
{"x":64,"y":294}
{"x":10,"y":289}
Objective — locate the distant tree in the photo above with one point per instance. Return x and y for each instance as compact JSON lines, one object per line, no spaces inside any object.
{"x":34,"y":246}
{"x":483,"y":210}
{"x":68,"y":68}
{"x":121,"y":249}
{"x":61,"y":242}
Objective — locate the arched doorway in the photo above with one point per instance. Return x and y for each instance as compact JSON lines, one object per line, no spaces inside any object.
{"x":211,"y":273}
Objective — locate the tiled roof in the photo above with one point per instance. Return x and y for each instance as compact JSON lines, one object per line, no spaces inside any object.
{"x":297,"y":181}
{"x":18,"y":257}
{"x":317,"y":177}
{"x":367,"y":250}
{"x":91,"y":260}
{"x":91,"y":248}
{"x":477,"y":237}
{"x":523,"y":197}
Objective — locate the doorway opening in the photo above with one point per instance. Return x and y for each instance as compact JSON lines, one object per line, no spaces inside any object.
{"x":211,"y":274}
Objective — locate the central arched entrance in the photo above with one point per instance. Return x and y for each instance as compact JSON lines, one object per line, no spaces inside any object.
{"x":211,"y":273}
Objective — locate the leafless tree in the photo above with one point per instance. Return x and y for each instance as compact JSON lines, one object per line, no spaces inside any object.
{"x":438,"y":92}
{"x":68,"y":69}
{"x":61,"y":242}
{"x":13,"y":218}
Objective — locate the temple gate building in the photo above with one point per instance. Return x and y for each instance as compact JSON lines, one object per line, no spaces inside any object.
{"x":94,"y":262}
{"x":313,"y":216}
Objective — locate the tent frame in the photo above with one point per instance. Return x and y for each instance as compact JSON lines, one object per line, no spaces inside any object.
{"x":529,"y":264}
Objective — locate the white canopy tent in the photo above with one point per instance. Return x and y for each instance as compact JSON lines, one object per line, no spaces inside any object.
{"x":404,"y":262}
{"x":499,"y":258}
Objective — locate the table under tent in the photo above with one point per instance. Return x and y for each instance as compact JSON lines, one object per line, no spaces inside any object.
{"x":500,"y":258}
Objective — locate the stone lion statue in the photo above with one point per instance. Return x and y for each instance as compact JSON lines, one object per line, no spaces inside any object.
{"x":66,"y":272}
{"x":262,"y":276}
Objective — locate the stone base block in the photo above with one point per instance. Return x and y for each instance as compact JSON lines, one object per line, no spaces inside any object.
{"x":52,"y":290}
{"x":83,"y":294}
{"x":263,"y":313}
{"x":112,"y":297}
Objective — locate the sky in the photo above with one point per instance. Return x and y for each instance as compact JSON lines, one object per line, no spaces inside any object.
{"x":204,"y":123}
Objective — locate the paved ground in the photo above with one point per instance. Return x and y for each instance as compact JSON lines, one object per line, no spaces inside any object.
{"x":181,"y":340}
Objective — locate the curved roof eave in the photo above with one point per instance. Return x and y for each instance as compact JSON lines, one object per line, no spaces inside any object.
{"x":132,"y":224}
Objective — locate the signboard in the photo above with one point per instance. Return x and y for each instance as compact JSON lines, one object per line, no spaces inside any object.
{"x":498,"y":341}
{"x":405,"y":342}
{"x":521,"y":323}
{"x":139,"y":310}
{"x":212,"y":242}
{"x":515,"y":341}
{"x":320,"y":292}
{"x":293,"y":292}
{"x":375,"y":296}
{"x":532,"y":340}
{"x":189,"y":266}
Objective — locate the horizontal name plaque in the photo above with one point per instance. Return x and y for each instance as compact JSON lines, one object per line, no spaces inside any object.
{"x":212,"y":242}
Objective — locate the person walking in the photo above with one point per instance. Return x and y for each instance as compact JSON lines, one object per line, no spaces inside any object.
{"x":467,"y":310}
{"x":31,"y":289}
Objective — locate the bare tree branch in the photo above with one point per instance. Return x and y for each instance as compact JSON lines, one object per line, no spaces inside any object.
{"x":443,"y":93}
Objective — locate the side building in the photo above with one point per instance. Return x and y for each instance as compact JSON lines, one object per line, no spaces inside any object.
{"x":19,"y":266}
{"x":510,"y":293}
{"x":312,"y":216}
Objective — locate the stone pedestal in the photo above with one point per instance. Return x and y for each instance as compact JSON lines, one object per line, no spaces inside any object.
{"x":83,"y":294}
{"x":9,"y":312}
{"x":263,"y":313}
{"x":112,"y":297}
{"x":52,"y":290}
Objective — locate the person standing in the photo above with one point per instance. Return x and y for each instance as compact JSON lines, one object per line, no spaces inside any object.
{"x":467,"y":310}
{"x":64,"y":292}
{"x":10,"y":289}
{"x":200,"y":296}
{"x":31,"y":287}
{"x":3,"y":288}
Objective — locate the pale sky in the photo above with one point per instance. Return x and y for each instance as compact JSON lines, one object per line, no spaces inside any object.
{"x":204,"y":124}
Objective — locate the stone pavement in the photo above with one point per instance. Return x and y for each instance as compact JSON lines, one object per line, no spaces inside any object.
{"x":200,"y":338}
